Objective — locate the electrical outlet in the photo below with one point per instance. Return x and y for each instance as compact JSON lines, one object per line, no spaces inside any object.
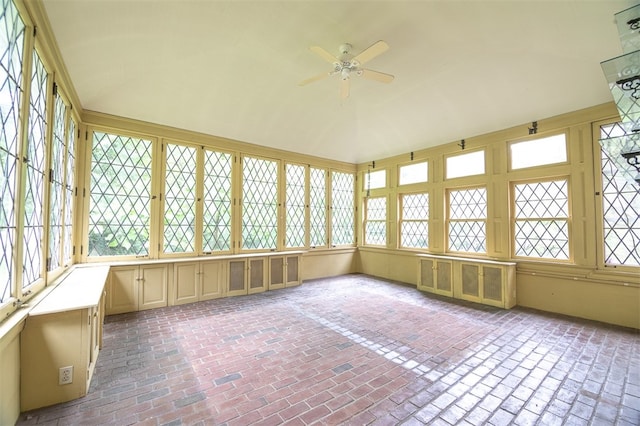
{"x":65,"y":375}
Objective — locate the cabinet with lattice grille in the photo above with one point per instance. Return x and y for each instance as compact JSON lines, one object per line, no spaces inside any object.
{"x":484,"y":281}
{"x":247,"y":276}
{"x":284,"y":271}
{"x":435,"y":275}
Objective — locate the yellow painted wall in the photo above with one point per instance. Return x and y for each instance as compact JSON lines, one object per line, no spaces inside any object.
{"x":321,"y":264}
{"x":10,"y":369}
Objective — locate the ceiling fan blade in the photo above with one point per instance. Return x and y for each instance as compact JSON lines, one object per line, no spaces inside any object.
{"x":344,"y":88}
{"x":376,"y":75}
{"x":324,"y":54}
{"x":315,"y":78}
{"x":371,"y":52}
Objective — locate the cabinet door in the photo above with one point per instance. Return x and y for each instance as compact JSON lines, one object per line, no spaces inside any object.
{"x":493,"y":286}
{"x":186,"y":278}
{"x":470,"y":282}
{"x":293,"y":271}
{"x":426,"y":275}
{"x":276,"y":272}
{"x":237,"y":284}
{"x":152,"y":287}
{"x":212,"y":279}
{"x":257,"y":276}
{"x":122,"y":290}
{"x":444,"y":278}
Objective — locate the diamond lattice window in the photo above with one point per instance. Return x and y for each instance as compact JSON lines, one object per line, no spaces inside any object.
{"x":67,"y":246}
{"x":295,"y":206}
{"x":342,"y":208}
{"x":467,"y":220}
{"x":180,"y":199}
{"x":541,"y":219}
{"x":375,"y":224}
{"x":11,"y":48}
{"x":318,"y":207}
{"x":56,"y":186}
{"x":414,"y":223}
{"x":621,"y":209}
{"x":120,"y":194}
{"x":34,"y":161}
{"x":216,"y":234}
{"x":259,"y":203}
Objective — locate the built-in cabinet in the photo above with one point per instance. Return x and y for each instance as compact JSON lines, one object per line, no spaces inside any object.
{"x":63,"y":331}
{"x":198,"y":281}
{"x":153,"y":284}
{"x":477,"y":280}
{"x":136,"y":287}
{"x":247,"y":276}
{"x":284,"y":271}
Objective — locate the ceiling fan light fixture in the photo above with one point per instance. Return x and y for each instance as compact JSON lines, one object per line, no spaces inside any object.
{"x":344,"y":74}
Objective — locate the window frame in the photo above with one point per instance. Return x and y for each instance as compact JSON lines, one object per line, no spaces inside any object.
{"x":366,"y":222}
{"x":402,"y":220}
{"x":413,"y":163}
{"x":449,"y":221}
{"x":446,"y":176}
{"x":567,"y":219}
{"x":532,"y":138}
{"x":305,"y":205}
{"x":332,"y":209}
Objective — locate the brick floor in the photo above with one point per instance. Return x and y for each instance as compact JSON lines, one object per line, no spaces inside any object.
{"x":356,"y":350}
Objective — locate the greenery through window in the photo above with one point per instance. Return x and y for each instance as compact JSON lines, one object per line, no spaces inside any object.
{"x":179,"y":199}
{"x":216,"y":232}
{"x":318,"y":207}
{"x":621,"y":209}
{"x":541,"y":219}
{"x":342,"y":208}
{"x":259,"y":203}
{"x":467,"y":220}
{"x":120,"y":195}
{"x":34,"y":161}
{"x":12,"y":31}
{"x":375,"y":224}
{"x":295,"y":206}
{"x":414,"y":220}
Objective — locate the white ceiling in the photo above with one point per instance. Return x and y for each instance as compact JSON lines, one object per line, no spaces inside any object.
{"x":232,"y":68}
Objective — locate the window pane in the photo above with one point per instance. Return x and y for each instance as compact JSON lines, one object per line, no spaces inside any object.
{"x":414,"y":225}
{"x":550,"y":150}
{"x":295,"y":206}
{"x":375,"y":180}
{"x":217,"y":202}
{"x":259,"y":203}
{"x":376,"y":222}
{"x":68,"y":193}
{"x":342,"y":212}
{"x":465,"y":165}
{"x":119,"y":205}
{"x":541,"y":212}
{"x":318,"y":208}
{"x":180,"y":199}
{"x":11,"y":48}
{"x":621,"y":209}
{"x":57,"y":176}
{"x":34,"y":192}
{"x":414,"y":173}
{"x":467,"y":220}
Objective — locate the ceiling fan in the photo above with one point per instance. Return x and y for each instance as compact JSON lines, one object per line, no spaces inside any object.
{"x":347,"y":65}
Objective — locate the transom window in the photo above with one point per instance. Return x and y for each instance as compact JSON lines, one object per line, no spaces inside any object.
{"x":120,"y":196}
{"x":413,"y":173}
{"x":375,"y":224}
{"x":467,"y":220}
{"x":259,"y":203}
{"x":375,"y":179}
{"x":414,"y":220}
{"x":539,"y":152}
{"x":541,"y":227}
{"x":461,"y":165}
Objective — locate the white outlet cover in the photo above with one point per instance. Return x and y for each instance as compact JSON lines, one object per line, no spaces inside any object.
{"x":65,"y":375}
